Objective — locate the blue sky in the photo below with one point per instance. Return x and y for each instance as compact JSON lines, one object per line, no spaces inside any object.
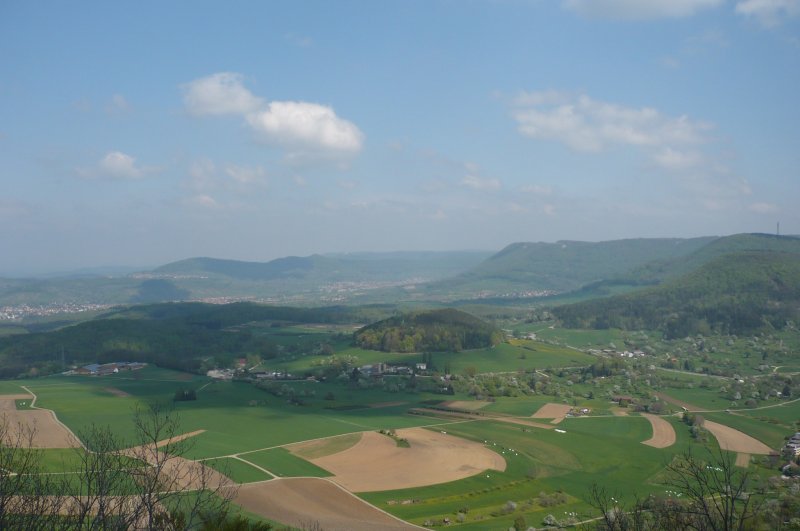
{"x":142,"y":133}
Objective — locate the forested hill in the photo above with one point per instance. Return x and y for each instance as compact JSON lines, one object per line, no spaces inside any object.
{"x":432,"y":331}
{"x":659,"y":270}
{"x":178,"y":336}
{"x":733,"y":293}
{"x":565,"y":265}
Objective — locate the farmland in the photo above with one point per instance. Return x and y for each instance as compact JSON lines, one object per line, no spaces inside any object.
{"x":259,"y":431}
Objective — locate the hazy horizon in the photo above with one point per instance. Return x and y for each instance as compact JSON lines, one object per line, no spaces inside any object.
{"x":137,"y":135}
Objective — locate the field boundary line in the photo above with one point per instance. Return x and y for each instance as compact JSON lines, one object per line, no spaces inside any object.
{"x":274,"y":476}
{"x":55,"y":417}
{"x":362,"y":500}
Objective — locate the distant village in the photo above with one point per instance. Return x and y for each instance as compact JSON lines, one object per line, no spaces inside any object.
{"x":105,"y":369}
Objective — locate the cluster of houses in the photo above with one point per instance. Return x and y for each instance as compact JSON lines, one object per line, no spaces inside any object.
{"x":379,"y":369}
{"x":624,"y":354}
{"x":792,"y":446}
{"x":104,"y":369}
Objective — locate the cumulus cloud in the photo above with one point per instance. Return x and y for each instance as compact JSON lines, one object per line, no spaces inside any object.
{"x":219,"y":94}
{"x":298,"y":123}
{"x":116,"y":165}
{"x":639,"y":9}
{"x":301,"y":126}
{"x":768,"y":12}
{"x":585,"y":124}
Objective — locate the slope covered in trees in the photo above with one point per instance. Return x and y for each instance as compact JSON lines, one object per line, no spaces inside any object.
{"x":565,"y":265}
{"x":177,"y":336}
{"x":733,"y":293}
{"x":433,"y":330}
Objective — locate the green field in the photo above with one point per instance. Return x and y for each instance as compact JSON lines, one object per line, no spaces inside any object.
{"x":283,"y":463}
{"x":246,"y":427}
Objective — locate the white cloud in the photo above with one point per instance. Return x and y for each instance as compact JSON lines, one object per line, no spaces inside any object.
{"x":116,"y":165}
{"x":308,"y":129}
{"x":478,"y":183}
{"x":768,"y":12}
{"x":219,"y":94}
{"x":302,"y":124}
{"x":763,"y":208}
{"x":585,"y":124}
{"x":639,"y":9}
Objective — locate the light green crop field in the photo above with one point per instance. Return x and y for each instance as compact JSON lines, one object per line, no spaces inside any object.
{"x":283,"y":463}
{"x":237,"y":470}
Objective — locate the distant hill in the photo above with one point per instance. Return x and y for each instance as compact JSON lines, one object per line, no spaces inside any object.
{"x":659,"y":270}
{"x":316,"y":279}
{"x":735,"y":293}
{"x":429,"y":331}
{"x":565,"y":265}
{"x":333,"y":268}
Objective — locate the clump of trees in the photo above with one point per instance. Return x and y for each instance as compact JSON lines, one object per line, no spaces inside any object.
{"x":444,"y":330}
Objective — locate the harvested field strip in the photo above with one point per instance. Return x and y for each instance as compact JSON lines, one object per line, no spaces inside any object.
{"x":742,"y":460}
{"x":433,"y":457}
{"x":619,"y":412}
{"x":734,"y":440}
{"x":323,"y":447}
{"x":45,"y":428}
{"x":663,"y":432}
{"x":469,"y":405}
{"x":299,"y":502}
{"x":557,"y":412}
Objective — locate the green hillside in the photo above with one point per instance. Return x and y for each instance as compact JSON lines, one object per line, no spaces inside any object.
{"x":564,"y":265}
{"x":178,"y":336}
{"x":434,"y":330}
{"x":659,"y":270}
{"x":734,"y":293}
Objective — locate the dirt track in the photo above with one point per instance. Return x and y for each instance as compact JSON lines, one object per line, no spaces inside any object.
{"x":663,"y":432}
{"x":303,"y":501}
{"x":736,"y":441}
{"x":557,"y":412}
{"x":376,"y":462}
{"x":48,"y":432}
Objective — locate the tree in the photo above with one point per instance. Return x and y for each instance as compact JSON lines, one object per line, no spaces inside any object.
{"x":141,"y":487}
{"x":168,"y":474}
{"x":714,"y":497}
{"x":24,"y":503}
